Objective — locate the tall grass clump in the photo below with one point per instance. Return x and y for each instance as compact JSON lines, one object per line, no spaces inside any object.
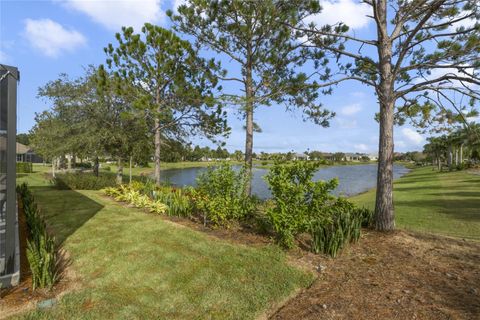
{"x":42,"y":253}
{"x":341,"y":225}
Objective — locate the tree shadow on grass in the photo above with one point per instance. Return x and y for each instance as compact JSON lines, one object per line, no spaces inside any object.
{"x":65,"y":211}
{"x":461,"y":208}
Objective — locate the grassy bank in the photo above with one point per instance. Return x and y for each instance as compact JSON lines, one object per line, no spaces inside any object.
{"x":446,"y":203}
{"x":135,"y":265}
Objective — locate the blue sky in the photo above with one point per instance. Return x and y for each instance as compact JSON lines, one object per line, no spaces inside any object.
{"x":47,"y":38}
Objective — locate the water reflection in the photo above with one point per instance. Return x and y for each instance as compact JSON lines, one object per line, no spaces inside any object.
{"x":353,"y":179}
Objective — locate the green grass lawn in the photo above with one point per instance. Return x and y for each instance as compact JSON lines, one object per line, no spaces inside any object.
{"x":134,"y":265}
{"x":446,"y":203}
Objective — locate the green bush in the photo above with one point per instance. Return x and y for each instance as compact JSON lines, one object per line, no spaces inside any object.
{"x":24,"y":167}
{"x":42,"y":253}
{"x":83,"y":165}
{"x":297,"y":199}
{"x":84,"y":181}
{"x":219,"y":195}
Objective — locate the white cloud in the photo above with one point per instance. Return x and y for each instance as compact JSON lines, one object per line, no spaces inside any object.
{"x":439,"y":72}
{"x":351,"y":109}
{"x":351,"y":12}
{"x":115,"y":14}
{"x":466,"y":23}
{"x":412,"y":136}
{"x":52,"y":38}
{"x":346,"y":123}
{"x":361,"y":147}
{"x":177,"y":3}
{"x":400,"y":144}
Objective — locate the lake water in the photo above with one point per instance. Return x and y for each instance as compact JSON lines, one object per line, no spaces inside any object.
{"x":353,"y":179}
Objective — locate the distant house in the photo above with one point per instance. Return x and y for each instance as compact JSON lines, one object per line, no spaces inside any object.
{"x":353,"y":156}
{"x":301,"y":156}
{"x":26,"y":154}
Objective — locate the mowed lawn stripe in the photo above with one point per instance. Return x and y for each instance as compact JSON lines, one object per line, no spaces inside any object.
{"x":134,"y":265}
{"x":446,"y":203}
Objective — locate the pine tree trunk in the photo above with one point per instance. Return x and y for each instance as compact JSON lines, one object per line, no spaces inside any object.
{"x":158,"y":140}
{"x":249,"y":129}
{"x":384,"y":210}
{"x":120,"y":171}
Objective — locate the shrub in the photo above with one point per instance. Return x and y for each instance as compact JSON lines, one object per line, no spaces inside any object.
{"x":219,"y":195}
{"x":297,"y":199}
{"x":24,"y":167}
{"x":83,"y":181}
{"x":87,"y":181}
{"x":131,"y":194}
{"x":83,"y":165}
{"x":41,"y":249}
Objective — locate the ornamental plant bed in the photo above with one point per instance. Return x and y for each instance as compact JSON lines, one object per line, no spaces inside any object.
{"x":21,"y":297}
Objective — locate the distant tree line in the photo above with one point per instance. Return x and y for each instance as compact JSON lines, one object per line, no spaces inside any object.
{"x":456,"y":150}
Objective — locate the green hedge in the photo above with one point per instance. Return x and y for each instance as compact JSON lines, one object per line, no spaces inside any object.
{"x":24,"y":167}
{"x":88,"y":181}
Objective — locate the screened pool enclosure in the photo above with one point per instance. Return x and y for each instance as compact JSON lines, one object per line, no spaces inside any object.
{"x":9,"y":242}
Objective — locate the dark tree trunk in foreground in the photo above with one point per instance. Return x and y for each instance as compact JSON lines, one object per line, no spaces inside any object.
{"x":384,"y":211}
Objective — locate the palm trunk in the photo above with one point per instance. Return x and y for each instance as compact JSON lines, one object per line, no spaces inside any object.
{"x":461,"y":154}
{"x":384,"y":210}
{"x":450,"y":158}
{"x":120,"y":171}
{"x":53,"y":167}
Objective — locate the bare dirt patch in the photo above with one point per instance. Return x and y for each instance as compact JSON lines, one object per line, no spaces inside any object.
{"x":393,"y":276}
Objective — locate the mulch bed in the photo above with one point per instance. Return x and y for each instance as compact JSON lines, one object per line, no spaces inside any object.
{"x":393,"y":276}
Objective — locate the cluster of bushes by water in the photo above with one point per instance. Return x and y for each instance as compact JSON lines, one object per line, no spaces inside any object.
{"x":299,"y":205}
